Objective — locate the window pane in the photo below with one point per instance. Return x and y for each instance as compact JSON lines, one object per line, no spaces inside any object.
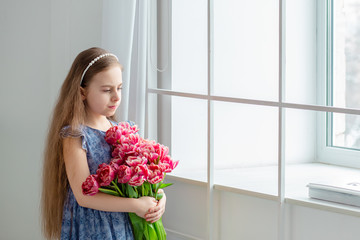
{"x":189,"y":136}
{"x":181,"y":124}
{"x":179,"y":46}
{"x":246,"y":48}
{"x":346,"y":78}
{"x":301,"y":35}
{"x":305,"y":153}
{"x":246,"y":146}
{"x":300,"y":135}
{"x":189,"y":46}
{"x":346,"y":130}
{"x":346,"y":73}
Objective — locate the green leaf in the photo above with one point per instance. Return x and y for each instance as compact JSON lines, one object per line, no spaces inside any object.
{"x":117,"y":189}
{"x":108,"y":191}
{"x":146,"y":233}
{"x":142,"y":190}
{"x":123,"y":188}
{"x":160,"y":231}
{"x":131,"y":191}
{"x":138,"y":225}
{"x":147,"y":189}
{"x":150,"y":232}
{"x":164,"y":185}
{"x":145,"y":230}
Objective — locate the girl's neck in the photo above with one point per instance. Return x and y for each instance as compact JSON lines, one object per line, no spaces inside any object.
{"x":100,"y":123}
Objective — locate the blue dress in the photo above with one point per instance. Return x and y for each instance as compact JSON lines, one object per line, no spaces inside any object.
{"x":86,"y":223}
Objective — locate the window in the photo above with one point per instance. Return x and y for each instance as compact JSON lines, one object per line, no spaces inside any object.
{"x":342,"y":134}
{"x":237,"y":89}
{"x":178,"y":83}
{"x":209,"y":108}
{"x":344,"y":31}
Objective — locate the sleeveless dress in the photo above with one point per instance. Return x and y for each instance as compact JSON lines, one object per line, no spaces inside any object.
{"x":86,"y":223}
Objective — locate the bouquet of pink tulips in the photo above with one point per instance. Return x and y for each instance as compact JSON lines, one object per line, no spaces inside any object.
{"x":137,"y":169}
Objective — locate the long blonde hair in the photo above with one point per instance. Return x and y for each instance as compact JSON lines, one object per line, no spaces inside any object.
{"x":70,"y":110}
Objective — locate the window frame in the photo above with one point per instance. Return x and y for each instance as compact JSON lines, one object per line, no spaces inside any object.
{"x":325,"y":152}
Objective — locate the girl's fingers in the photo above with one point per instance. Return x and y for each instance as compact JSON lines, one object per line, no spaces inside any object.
{"x":154,"y":214}
{"x":154,"y":209}
{"x":153,"y":217}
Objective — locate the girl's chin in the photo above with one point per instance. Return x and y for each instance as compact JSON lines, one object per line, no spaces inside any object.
{"x":110,"y":114}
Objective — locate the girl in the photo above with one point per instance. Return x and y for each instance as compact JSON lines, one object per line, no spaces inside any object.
{"x":76,"y":146}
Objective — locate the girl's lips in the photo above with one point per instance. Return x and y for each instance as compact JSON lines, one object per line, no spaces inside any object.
{"x":113,"y":107}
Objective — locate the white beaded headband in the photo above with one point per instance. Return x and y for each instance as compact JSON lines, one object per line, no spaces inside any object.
{"x":94,"y":61}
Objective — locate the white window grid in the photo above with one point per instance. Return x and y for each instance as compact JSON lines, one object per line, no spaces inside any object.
{"x":281,"y":105}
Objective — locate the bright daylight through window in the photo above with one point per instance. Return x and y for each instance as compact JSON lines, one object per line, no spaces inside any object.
{"x":344,"y":27}
{"x":240,"y":95}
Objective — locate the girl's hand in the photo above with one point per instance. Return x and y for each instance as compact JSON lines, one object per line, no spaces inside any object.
{"x":155,"y":213}
{"x":144,"y":204}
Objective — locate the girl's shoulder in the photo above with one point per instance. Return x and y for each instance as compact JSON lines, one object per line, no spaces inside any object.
{"x":89,"y":136}
{"x":68,"y":131}
{"x":81,"y":131}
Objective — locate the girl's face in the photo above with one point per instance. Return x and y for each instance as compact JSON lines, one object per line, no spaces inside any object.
{"x":103,"y":94}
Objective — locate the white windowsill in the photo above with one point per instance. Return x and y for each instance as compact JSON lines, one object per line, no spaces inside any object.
{"x":263,"y":182}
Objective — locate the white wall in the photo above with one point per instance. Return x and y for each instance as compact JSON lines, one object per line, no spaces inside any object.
{"x":24,"y":110}
{"x":307,"y":223}
{"x":245,"y":217}
{"x":74,"y":28}
{"x":39,"y":39}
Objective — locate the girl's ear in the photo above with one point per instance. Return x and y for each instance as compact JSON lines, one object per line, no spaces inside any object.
{"x":83,"y":93}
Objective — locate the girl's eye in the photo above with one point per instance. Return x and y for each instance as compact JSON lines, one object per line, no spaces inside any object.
{"x":119,"y":88}
{"x":107,"y":90}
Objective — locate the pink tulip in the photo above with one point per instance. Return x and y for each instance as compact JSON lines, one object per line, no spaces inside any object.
{"x":134,"y":139}
{"x":118,"y":160}
{"x":153,"y":157}
{"x":139,"y":175}
{"x":126,"y":126}
{"x":124,"y":174}
{"x":126,"y":129}
{"x":113,"y":135}
{"x":161,"y":150}
{"x":174,"y":164}
{"x":120,"y":133}
{"x":102,"y":165}
{"x":145,"y":148}
{"x":167,"y":164}
{"x":155,"y":174}
{"x":141,"y":170}
{"x":114,"y":166}
{"x":136,"y":180}
{"x":105,"y":174}
{"x":117,"y":152}
{"x":90,"y":187}
{"x":134,"y":161}
{"x":126,"y":148}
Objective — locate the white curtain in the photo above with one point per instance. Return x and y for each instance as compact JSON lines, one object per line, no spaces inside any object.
{"x":125,"y":34}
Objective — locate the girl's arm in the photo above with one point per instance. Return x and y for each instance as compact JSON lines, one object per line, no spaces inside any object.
{"x":77,"y":171}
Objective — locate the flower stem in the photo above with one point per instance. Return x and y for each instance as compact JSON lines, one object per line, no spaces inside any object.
{"x":117,"y":188}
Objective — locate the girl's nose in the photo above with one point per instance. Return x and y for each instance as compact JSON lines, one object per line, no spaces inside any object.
{"x":116,"y":96}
